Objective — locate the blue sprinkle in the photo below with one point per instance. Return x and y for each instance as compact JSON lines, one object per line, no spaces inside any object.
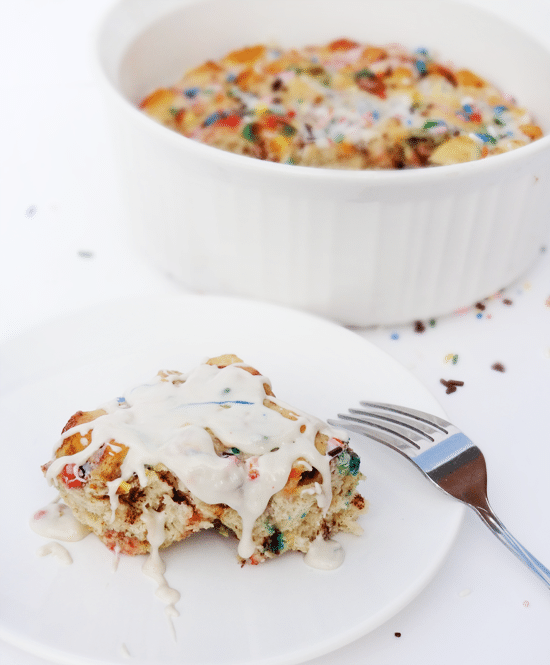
{"x":486,"y":138}
{"x":479,"y":315}
{"x":421,"y":66}
{"x":500,"y":109}
{"x":211,"y":119}
{"x":394,"y":335}
{"x":467,"y":108}
{"x":422,"y":50}
{"x":191,"y":92}
{"x":120,"y":400}
{"x":375,"y":114}
{"x":230,"y":78}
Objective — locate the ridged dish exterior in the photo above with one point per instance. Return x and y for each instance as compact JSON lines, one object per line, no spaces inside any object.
{"x":364,"y":248}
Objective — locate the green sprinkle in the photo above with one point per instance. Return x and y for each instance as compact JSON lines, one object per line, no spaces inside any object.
{"x":227,"y":390}
{"x":432,"y":323}
{"x":288,"y":130}
{"x":362,"y":73}
{"x":338,"y":138}
{"x":430,"y":123}
{"x":174,"y":111}
{"x":276,"y":542}
{"x":249,"y":134}
{"x":235,"y":451}
{"x":348,"y":463}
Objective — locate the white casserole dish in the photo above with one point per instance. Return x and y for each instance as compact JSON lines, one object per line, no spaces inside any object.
{"x":361,"y":247}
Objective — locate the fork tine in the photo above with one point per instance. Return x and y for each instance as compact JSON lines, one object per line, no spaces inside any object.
{"x":421,"y":416}
{"x":418,"y":430}
{"x":399,"y":441}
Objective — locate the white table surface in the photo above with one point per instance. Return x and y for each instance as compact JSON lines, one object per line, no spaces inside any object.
{"x":63,"y":248}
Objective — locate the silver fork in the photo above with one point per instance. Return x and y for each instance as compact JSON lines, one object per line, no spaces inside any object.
{"x":444,"y":454}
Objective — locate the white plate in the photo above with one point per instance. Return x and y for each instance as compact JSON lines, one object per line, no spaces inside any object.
{"x":280,"y":612}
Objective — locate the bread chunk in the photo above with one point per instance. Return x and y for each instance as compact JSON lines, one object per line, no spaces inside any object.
{"x":213,"y":448}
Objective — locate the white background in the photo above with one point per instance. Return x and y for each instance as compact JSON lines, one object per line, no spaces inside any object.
{"x":63,"y":248}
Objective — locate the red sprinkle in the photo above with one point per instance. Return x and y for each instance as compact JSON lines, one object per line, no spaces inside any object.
{"x":230,"y":121}
{"x":68,"y":476}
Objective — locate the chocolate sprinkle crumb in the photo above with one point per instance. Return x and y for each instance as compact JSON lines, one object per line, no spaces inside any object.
{"x":397,"y":634}
{"x":419,"y":327}
{"x":507,"y":301}
{"x":480,"y":306}
{"x":499,"y":367}
{"x":451,"y":385}
{"x":336,"y":451}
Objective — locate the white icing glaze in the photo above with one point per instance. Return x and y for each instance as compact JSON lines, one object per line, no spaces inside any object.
{"x":57,"y":521}
{"x":58,"y":551}
{"x":154,"y":566}
{"x":164,"y":422}
{"x":324,"y":554}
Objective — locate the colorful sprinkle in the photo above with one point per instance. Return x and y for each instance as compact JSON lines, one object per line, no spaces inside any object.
{"x":451,"y":385}
{"x":421,"y":67}
{"x":486,"y":138}
{"x":211,"y":119}
{"x":249,"y":133}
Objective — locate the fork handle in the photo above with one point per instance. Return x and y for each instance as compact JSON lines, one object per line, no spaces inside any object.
{"x":505,"y":537}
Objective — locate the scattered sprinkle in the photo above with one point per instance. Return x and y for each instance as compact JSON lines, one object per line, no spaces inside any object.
{"x":507,"y":301}
{"x":498,"y":367}
{"x":397,"y":634}
{"x":525,"y":603}
{"x":451,"y":385}
{"x":394,"y":335}
{"x":480,"y":306}
{"x":419,"y":327}
{"x":30,"y":212}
